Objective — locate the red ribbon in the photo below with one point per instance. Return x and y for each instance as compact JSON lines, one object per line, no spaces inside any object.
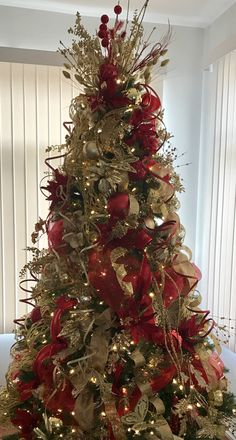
{"x":55,"y":231}
{"x":63,"y":304}
{"x":118,"y":206}
{"x":26,"y":420}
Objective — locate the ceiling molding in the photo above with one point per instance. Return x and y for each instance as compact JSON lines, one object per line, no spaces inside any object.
{"x":89,"y":11}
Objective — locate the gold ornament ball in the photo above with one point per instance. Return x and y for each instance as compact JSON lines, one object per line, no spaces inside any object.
{"x":149,"y":223}
{"x":218,"y":398}
{"x":90,"y":150}
{"x":55,"y":422}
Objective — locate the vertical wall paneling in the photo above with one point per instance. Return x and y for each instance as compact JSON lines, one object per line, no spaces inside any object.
{"x":216,"y":247}
{"x":34,"y":102}
{"x":7,"y":200}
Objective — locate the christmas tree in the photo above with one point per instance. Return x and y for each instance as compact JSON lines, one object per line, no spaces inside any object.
{"x":116,"y":346}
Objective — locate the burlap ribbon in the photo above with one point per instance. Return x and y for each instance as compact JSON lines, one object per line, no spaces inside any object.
{"x":84,"y":410}
{"x":113,"y":417}
{"x":138,"y":358}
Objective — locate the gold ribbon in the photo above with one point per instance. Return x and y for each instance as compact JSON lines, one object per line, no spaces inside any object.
{"x":113,"y":417}
{"x":99,"y":347}
{"x":163,"y":429}
{"x":158,"y":405}
{"x":84,"y":410}
{"x":138,"y":358}
{"x":120,"y":271}
{"x":145,"y":388}
{"x":133,"y":205}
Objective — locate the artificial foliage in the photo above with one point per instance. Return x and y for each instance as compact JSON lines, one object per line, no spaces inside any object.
{"x":115,"y":345}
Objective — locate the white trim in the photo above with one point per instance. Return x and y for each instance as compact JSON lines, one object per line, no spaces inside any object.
{"x":90,"y":11}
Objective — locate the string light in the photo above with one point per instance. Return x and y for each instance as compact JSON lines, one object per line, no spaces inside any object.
{"x":124,"y":391}
{"x":93,"y":379}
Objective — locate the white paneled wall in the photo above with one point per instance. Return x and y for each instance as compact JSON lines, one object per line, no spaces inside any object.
{"x":34,"y":102}
{"x":216,"y":231}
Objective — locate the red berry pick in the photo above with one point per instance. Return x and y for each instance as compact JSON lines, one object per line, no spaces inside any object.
{"x":104,"y":19}
{"x":102,"y":34}
{"x":105,"y":42}
{"x":103,"y":27}
{"x":117,"y":9}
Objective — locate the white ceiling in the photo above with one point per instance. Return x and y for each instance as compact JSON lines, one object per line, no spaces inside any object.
{"x":183,"y":12}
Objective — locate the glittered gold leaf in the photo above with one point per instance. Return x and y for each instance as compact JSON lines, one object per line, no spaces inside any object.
{"x":66,"y":74}
{"x":139,"y":414}
{"x":164,"y":63}
{"x":67,"y":66}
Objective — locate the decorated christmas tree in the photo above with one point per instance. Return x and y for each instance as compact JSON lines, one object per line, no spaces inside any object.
{"x":116,"y":345}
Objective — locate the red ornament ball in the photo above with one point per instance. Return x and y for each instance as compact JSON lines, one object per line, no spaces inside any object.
{"x":103,"y":27}
{"x":104,"y":19}
{"x":117,"y":9}
{"x":105,"y":42}
{"x":102,"y":34}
